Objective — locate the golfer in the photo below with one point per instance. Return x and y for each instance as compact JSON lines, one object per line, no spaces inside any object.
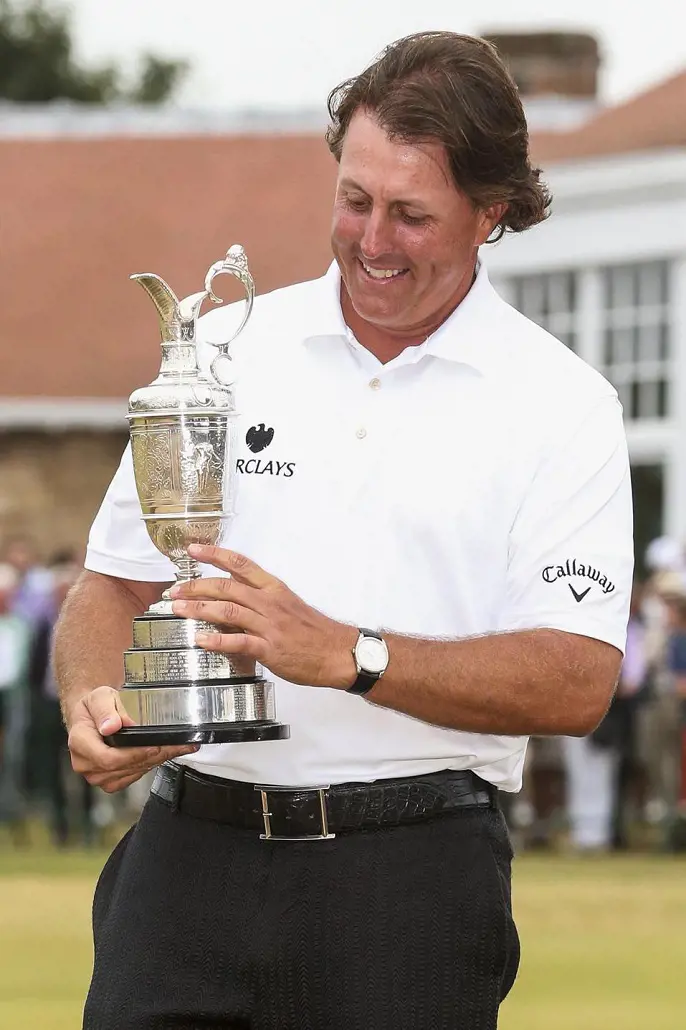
{"x":432,"y":557}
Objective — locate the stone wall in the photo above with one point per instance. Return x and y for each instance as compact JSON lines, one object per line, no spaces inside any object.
{"x":52,"y":483}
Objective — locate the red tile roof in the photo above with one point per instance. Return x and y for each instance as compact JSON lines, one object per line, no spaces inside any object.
{"x":81,"y":215}
{"x":655,"y":118}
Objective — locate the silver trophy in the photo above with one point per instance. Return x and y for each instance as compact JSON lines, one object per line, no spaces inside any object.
{"x":182,"y":442}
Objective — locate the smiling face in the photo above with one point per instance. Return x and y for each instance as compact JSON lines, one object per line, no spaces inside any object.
{"x":404,"y":237}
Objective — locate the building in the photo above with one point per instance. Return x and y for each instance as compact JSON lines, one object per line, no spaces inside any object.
{"x":607,"y":275}
{"x":97,"y":195}
{"x":90,"y":198}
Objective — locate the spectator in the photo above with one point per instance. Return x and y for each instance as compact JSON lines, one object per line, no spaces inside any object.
{"x":52,"y":771}
{"x":14,"y":652}
{"x":620,"y":724}
{"x":591,"y":768}
{"x":676,"y":668}
{"x":32,"y":597}
{"x":661,"y":738}
{"x":601,"y":768}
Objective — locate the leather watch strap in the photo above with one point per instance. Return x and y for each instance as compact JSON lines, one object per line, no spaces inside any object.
{"x":365,"y":680}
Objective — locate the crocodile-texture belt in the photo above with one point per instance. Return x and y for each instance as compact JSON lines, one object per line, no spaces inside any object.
{"x":320,"y":812}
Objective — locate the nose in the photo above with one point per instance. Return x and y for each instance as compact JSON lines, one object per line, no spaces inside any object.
{"x":376,"y":236}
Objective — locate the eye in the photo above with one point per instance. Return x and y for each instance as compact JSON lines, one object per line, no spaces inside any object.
{"x":356,"y":203}
{"x":413,"y":219}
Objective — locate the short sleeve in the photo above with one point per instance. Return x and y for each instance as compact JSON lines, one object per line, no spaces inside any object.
{"x":570,"y":561}
{"x":118,"y":543}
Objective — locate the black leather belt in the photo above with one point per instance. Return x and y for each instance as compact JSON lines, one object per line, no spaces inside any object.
{"x":320,"y":812}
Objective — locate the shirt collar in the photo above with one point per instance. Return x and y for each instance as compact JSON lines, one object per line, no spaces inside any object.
{"x":470,"y":335}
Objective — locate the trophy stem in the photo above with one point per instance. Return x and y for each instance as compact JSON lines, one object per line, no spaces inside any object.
{"x":186,"y":569}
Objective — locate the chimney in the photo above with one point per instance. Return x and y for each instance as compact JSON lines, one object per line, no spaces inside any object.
{"x":556,"y":72}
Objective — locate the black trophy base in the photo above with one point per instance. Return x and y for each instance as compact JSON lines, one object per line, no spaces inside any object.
{"x":209,"y":733}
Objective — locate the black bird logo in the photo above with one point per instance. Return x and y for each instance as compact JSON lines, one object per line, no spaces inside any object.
{"x":257,"y":437}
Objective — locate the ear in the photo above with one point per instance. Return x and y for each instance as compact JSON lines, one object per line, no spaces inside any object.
{"x":489,"y":218}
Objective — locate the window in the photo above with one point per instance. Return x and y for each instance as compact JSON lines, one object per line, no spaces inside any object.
{"x":636,"y":345}
{"x":549,"y":300}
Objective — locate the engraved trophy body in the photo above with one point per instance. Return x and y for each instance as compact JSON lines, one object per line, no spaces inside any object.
{"x":182,"y":442}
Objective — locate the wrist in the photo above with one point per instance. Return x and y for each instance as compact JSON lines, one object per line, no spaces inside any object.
{"x":71,"y":705}
{"x":343,"y":670}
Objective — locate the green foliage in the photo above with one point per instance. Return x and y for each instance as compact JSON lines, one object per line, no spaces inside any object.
{"x":37,"y":63}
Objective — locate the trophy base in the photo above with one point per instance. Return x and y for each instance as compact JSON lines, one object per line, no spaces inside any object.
{"x":206,"y":712}
{"x":219,"y":733}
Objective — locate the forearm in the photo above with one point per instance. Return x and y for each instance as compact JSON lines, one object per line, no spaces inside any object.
{"x":530,"y":682}
{"x":93,"y":631}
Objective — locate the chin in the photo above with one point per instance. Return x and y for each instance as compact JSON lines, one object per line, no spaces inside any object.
{"x":376,"y":313}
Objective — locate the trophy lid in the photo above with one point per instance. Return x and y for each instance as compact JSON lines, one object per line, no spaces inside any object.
{"x":181,"y":385}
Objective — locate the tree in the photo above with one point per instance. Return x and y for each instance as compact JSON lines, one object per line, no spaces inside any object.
{"x":37,"y":63}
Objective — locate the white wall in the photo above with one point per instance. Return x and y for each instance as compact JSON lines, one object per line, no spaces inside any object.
{"x":617,"y":210}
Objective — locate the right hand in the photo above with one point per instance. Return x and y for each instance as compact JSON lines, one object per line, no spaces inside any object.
{"x":97,"y":715}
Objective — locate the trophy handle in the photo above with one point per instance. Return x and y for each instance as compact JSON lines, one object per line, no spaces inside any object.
{"x":235,"y":263}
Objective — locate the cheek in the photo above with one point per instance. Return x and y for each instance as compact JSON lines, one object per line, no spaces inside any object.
{"x":345,"y":227}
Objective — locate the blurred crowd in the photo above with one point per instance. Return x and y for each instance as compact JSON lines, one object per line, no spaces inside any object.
{"x":623,"y":786}
{"x":36,"y":780}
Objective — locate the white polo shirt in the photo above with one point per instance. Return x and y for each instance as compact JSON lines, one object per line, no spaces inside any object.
{"x":476,"y":484}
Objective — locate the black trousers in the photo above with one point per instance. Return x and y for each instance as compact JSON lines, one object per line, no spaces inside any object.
{"x":200,"y":925}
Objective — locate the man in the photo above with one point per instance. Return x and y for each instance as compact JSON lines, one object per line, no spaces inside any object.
{"x":442,"y":472}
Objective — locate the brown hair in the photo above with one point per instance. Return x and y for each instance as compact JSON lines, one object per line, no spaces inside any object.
{"x":455,"y":90}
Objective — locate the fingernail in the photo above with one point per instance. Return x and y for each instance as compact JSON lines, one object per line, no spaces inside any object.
{"x":195,"y":548}
{"x":106,"y":724}
{"x":191,"y":749}
{"x":180,"y":606}
{"x":205,"y":638}
{"x":175,"y":590}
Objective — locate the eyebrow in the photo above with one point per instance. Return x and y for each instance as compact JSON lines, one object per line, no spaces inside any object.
{"x":405,"y":202}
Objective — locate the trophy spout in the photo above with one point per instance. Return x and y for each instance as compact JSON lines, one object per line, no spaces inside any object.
{"x":166,"y":303}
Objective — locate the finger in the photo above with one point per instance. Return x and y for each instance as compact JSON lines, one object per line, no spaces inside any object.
{"x":90,"y":755}
{"x":231,"y":643}
{"x":111,"y":786}
{"x":111,"y":783}
{"x":221,"y":613}
{"x":170,"y":751}
{"x":241,"y":568}
{"x":215,"y":588}
{"x":106,"y":710}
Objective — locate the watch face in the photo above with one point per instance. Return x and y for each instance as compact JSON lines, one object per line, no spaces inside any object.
{"x":372,"y":655}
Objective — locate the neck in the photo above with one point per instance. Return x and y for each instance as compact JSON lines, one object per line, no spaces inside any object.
{"x":386,"y":343}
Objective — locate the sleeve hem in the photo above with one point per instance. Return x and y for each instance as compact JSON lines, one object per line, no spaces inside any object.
{"x":145,"y":572}
{"x":586,"y":628}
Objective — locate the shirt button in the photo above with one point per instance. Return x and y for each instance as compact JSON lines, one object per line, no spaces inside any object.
{"x":375,"y":384}
{"x":361,"y":433}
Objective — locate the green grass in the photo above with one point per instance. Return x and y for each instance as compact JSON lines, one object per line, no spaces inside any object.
{"x":604,"y":941}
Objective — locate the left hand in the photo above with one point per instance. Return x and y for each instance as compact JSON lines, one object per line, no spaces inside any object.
{"x":279,"y":630}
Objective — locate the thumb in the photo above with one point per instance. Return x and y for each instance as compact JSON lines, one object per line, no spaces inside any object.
{"x":107,"y":711}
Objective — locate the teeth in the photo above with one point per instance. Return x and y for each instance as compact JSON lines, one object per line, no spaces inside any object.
{"x":381,"y":273}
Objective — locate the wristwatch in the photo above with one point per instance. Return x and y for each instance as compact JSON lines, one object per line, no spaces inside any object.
{"x":371,"y":658}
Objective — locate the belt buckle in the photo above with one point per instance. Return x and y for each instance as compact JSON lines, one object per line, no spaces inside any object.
{"x":265,"y":790}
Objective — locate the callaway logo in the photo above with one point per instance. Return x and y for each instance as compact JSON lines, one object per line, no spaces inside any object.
{"x":572,"y":567}
{"x":258,"y":438}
